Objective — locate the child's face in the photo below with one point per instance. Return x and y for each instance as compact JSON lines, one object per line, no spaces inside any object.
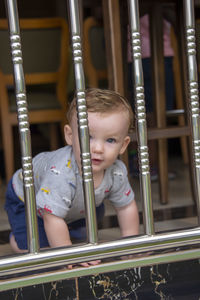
{"x":108,"y":138}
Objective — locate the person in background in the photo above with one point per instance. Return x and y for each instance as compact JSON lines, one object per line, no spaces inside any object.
{"x":147,"y":70}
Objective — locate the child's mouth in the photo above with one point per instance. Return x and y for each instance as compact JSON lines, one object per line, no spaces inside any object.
{"x":96,"y":161}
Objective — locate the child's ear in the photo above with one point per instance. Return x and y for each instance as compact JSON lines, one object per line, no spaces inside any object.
{"x":125,"y":145}
{"x":68,"y":134}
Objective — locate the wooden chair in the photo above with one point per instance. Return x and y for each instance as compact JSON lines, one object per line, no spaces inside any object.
{"x":163,"y":131}
{"x":45,"y":44}
{"x":94,"y":53}
{"x":179,"y":94}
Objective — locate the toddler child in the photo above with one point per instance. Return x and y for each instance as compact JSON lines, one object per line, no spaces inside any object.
{"x":58,"y":181}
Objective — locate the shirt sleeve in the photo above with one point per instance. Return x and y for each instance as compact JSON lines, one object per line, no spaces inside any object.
{"x":121,"y":193}
{"x":54,"y":197}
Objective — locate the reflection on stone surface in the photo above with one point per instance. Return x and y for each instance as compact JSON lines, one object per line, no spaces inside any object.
{"x":165,"y":282}
{"x":175,"y":281}
{"x":119,"y":286}
{"x":159,"y":281}
{"x":61,"y":290}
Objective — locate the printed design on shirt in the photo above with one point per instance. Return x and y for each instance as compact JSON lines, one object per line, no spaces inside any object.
{"x":20,"y":198}
{"x":119,"y":173}
{"x":127,"y":193}
{"x":106,"y":191}
{"x":82,"y":211}
{"x":54,"y":170}
{"x":72,"y":184}
{"x":45,"y":190}
{"x":47,"y":209}
{"x":69,"y":164}
{"x":67,"y":202}
{"x":40,"y":211}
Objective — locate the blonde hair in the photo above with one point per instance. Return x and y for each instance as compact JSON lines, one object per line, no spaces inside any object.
{"x":103,"y":101}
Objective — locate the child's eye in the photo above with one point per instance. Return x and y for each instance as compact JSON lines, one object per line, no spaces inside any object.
{"x":111,"y":140}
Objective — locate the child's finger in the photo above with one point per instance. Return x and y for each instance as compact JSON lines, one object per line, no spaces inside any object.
{"x":136,"y":255}
{"x":85,"y":264}
{"x":94,"y":262}
{"x":69,"y":267}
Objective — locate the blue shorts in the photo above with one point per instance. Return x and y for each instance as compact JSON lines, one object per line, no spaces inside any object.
{"x":16,"y":215}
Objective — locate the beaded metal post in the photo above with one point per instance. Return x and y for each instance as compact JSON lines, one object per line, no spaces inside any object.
{"x":193,"y":90}
{"x":141,"y":117}
{"x":88,"y":185}
{"x":24,"y":130}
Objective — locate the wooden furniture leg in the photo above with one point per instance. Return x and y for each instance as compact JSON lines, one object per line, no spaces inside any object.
{"x":156,"y":32}
{"x":114,"y":50}
{"x":179,"y":94}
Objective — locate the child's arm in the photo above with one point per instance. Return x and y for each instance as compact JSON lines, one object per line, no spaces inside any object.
{"x":58,"y":234}
{"x":128,"y":219}
{"x":56,"y":230}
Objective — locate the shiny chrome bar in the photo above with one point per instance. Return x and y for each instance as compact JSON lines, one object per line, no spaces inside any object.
{"x":141,"y":127}
{"x":174,"y":256}
{"x":193,"y":91}
{"x":24,"y":130}
{"x":76,"y":254}
{"x":88,"y":186}
{"x":175,"y":112}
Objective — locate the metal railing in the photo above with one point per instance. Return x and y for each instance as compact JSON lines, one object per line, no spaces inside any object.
{"x":153,"y":248}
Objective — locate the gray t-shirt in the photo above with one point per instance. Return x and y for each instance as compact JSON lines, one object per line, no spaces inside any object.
{"x":58,"y":185}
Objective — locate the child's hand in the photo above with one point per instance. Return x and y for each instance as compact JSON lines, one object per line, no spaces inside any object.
{"x":92,"y":263}
{"x":86,"y":264}
{"x":131,"y":256}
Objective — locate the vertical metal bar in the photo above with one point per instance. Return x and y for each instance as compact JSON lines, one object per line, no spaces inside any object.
{"x":88,"y":186}
{"x":193,"y":90}
{"x":141,"y":117}
{"x":24,"y":131}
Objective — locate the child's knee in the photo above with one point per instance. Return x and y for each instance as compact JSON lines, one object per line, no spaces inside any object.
{"x":14,"y":245}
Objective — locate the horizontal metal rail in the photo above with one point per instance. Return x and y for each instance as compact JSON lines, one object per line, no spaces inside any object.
{"x":73,"y":254}
{"x":175,"y":112}
{"x":65,"y":273}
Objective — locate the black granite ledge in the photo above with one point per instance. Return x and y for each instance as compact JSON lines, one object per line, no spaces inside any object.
{"x":179,"y":281}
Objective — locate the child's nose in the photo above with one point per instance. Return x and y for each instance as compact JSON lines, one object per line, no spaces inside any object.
{"x":97,"y":146}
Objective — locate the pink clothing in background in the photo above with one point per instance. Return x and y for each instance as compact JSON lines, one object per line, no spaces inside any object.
{"x":145,"y":39}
